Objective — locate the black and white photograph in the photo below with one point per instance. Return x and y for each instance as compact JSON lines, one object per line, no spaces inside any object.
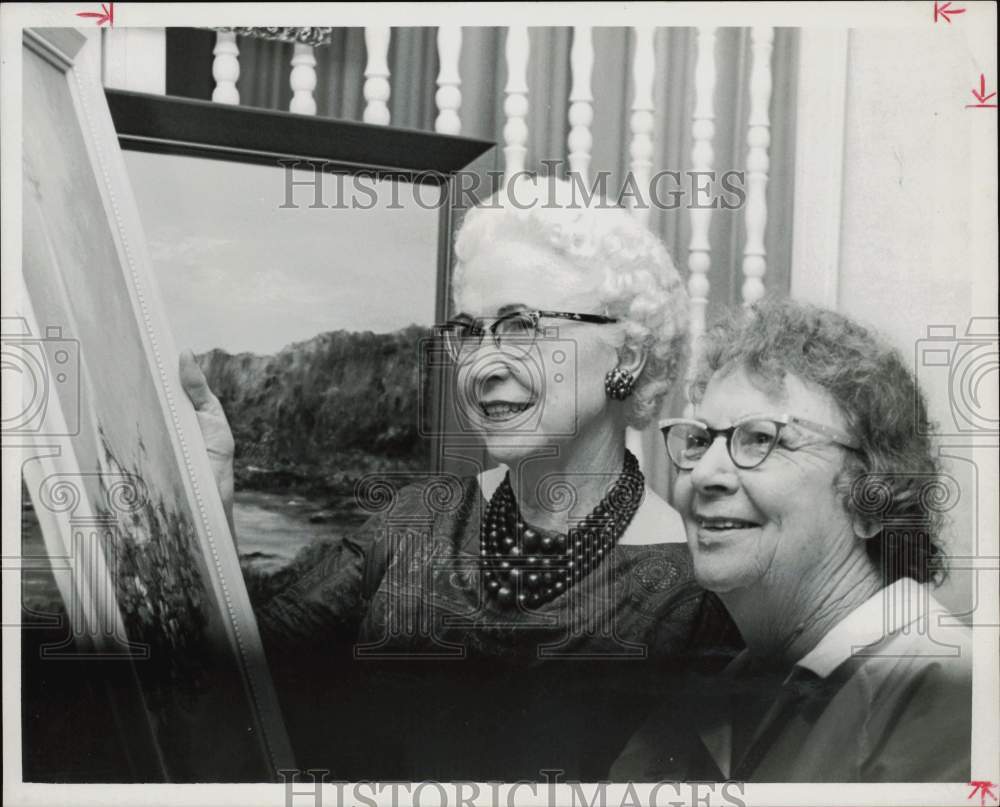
{"x":485,"y":404}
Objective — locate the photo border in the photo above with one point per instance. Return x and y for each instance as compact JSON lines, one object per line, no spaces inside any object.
{"x":833,"y":15}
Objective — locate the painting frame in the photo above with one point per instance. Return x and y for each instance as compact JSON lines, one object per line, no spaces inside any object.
{"x":190,"y":127}
{"x":109,"y":121}
{"x":96,"y":510}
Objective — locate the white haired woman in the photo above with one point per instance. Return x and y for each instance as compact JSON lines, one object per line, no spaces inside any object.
{"x":556,"y":590}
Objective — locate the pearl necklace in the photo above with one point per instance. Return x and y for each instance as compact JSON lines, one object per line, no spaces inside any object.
{"x":531,"y":567}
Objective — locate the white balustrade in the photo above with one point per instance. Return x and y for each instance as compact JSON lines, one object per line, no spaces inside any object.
{"x":303,"y":80}
{"x":515,"y":107}
{"x":702,"y":156}
{"x":448,"y":97}
{"x":581,"y":101}
{"x":376,"y":89}
{"x":226,"y":68}
{"x":758,"y":163}
{"x":641,"y":122}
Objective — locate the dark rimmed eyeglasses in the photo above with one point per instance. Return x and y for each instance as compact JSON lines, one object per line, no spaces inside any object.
{"x":514,"y":333}
{"x":749,"y":442}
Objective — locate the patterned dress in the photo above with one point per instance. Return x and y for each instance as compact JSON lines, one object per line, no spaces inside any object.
{"x":393,"y":664}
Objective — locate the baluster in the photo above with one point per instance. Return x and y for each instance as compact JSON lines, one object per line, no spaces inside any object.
{"x":448,"y":97}
{"x":641,"y":147}
{"x":515,"y":107}
{"x":226,"y":68}
{"x":377,"y":75}
{"x":702,"y":155}
{"x":303,"y":80}
{"x":581,"y":101}
{"x":641,"y":165}
{"x":758,"y":140}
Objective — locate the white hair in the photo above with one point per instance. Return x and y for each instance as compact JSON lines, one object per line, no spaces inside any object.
{"x":621,"y":263}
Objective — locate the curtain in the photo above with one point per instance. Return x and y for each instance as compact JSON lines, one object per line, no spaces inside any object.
{"x":413,"y":65}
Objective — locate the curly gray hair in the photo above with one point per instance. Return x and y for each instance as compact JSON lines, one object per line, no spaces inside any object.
{"x":894,"y":480}
{"x":620,"y":262}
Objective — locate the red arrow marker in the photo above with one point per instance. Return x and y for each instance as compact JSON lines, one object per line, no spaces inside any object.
{"x":981,"y":96}
{"x":106,"y":15}
{"x":986,"y":790}
{"x":943,"y":10}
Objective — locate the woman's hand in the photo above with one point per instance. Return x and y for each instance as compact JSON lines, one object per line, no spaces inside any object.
{"x":214,"y":429}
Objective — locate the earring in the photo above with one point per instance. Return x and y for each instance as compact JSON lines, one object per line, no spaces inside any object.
{"x":619,"y":383}
{"x":866,"y":530}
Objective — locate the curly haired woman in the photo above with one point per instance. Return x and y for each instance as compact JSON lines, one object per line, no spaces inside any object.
{"x":813,"y":505}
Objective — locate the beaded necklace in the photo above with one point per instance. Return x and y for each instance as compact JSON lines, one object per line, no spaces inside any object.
{"x":530,"y":567}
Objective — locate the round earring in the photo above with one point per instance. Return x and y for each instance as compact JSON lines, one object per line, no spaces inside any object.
{"x":619,"y":383}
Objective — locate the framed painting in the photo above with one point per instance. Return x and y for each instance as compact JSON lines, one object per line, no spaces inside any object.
{"x":304,"y":260}
{"x":115,"y":468}
{"x":153,"y":224}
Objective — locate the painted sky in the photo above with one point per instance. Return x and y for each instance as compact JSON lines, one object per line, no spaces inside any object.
{"x":237,"y":271}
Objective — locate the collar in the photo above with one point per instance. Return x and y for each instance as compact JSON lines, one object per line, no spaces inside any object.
{"x":490,"y":479}
{"x":889,"y":611}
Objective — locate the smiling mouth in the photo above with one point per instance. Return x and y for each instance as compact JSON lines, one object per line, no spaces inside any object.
{"x":724,"y":524}
{"x":503,"y":410}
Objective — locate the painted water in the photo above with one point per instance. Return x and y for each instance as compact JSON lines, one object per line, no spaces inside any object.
{"x":271,"y":529}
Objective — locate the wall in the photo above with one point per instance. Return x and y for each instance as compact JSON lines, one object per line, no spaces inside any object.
{"x":916,"y":244}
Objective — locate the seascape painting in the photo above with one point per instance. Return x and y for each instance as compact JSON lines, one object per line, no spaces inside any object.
{"x":307,"y":321}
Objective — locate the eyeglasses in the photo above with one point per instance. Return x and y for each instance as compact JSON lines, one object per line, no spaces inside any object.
{"x":514,"y":333}
{"x":749,"y":441}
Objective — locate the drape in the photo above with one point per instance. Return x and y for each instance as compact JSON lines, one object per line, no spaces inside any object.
{"x":413,"y":65}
